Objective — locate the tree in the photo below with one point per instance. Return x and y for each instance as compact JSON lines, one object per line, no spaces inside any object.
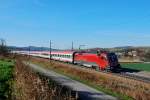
{"x":3,"y":47}
{"x":147,"y":56}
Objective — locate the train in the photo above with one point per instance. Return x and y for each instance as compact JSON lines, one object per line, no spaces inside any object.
{"x":98,"y":61}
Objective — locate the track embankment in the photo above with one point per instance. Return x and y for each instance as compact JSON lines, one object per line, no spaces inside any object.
{"x":83,"y":91}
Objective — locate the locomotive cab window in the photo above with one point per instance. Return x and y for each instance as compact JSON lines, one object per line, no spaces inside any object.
{"x":103,"y":58}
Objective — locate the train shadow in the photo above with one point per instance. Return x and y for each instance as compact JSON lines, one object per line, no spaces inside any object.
{"x":128,"y":70}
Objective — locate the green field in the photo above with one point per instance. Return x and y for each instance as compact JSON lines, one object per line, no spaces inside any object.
{"x":6,"y":68}
{"x":137,"y":66}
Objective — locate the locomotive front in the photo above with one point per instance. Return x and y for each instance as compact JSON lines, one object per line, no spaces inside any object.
{"x":113,"y":62}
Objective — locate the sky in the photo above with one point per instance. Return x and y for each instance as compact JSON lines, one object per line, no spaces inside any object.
{"x":93,"y":23}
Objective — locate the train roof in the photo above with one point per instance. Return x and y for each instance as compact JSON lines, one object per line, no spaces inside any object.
{"x":59,"y":52}
{"x":48,"y":52}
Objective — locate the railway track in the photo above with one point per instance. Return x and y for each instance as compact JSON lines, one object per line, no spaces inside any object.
{"x":135,"y":77}
{"x":130,"y":76}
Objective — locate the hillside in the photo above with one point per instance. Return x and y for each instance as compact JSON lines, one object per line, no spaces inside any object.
{"x":31,"y":48}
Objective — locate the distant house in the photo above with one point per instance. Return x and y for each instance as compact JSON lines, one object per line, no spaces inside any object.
{"x":119,"y":54}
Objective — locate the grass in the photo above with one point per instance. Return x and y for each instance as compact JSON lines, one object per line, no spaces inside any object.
{"x":6,"y":69}
{"x":137,"y":66}
{"x":29,"y":85}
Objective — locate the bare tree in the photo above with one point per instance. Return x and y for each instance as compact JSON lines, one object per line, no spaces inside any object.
{"x":3,"y":47}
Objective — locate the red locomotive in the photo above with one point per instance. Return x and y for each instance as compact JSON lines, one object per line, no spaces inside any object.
{"x":99,"y":61}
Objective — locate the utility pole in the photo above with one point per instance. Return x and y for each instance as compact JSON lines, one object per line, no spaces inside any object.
{"x":72,"y":45}
{"x":29,"y":50}
{"x":29,"y":54}
{"x":50,"y":50}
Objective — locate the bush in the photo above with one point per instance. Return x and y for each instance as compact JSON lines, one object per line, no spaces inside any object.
{"x":5,"y":78}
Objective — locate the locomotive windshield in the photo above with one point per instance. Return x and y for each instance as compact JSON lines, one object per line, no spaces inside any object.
{"x":112,"y":58}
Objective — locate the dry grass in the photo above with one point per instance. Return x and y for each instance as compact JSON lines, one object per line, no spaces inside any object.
{"x":30,"y":86}
{"x":135,"y":89}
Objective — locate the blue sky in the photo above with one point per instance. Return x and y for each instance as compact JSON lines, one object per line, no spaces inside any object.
{"x":95,"y":23}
